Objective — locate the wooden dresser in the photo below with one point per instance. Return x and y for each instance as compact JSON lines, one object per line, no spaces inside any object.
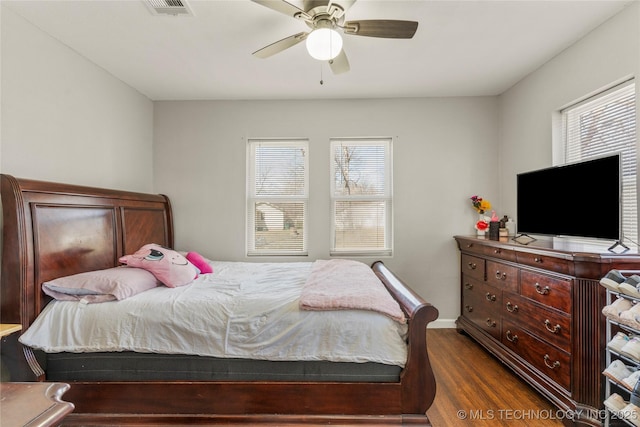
{"x":537,"y":307}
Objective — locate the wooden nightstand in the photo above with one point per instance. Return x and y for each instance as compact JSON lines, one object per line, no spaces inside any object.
{"x":7,"y":329}
{"x":17,"y":363}
{"x":33,"y":404}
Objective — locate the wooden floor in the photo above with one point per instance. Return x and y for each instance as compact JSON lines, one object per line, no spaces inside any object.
{"x":475,"y":389}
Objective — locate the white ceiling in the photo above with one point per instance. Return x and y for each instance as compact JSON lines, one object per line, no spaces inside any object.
{"x":461,"y":48}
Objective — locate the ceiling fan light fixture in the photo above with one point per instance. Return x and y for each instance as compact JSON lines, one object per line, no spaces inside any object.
{"x":324,"y":44}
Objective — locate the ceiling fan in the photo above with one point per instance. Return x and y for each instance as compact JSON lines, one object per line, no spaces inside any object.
{"x":325,"y":17}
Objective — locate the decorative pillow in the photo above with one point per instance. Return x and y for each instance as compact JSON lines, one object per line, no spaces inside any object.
{"x":200,"y":262}
{"x":170,"y":267}
{"x":101,"y":285}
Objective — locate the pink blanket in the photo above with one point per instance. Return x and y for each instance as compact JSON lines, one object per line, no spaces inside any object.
{"x":340,"y":284}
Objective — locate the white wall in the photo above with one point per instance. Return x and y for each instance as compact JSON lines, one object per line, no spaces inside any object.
{"x":444,"y":152}
{"x":65,"y":119}
{"x":609,"y":54}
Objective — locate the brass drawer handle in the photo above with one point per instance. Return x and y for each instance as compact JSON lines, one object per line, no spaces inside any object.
{"x":511,"y":308}
{"x":497,"y":251}
{"x":541,"y":290}
{"x":490,"y":297}
{"x":511,"y":338}
{"x":469,"y":245}
{"x":554,"y":365}
{"x":468,"y":286}
{"x":469,"y":308}
{"x":472,"y":265}
{"x":490,"y":323}
{"x":501,"y":276}
{"x":554,"y":330}
{"x":538,"y":260}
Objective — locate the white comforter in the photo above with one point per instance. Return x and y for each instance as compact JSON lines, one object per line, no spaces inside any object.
{"x":242,"y":310}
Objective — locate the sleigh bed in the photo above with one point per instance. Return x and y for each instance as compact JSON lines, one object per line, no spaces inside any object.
{"x":53,"y":230}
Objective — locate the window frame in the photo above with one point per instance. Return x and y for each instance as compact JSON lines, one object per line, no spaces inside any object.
{"x":629,"y":153}
{"x":252,"y":198}
{"x":387,"y":197}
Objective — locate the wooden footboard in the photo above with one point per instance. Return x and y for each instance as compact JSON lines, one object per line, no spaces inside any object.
{"x":417,"y":374}
{"x":50,"y":230}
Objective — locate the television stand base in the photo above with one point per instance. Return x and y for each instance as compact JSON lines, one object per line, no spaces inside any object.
{"x":519,"y":237}
{"x":625,"y":248}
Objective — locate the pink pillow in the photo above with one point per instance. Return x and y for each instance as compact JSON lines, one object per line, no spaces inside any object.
{"x":110,"y":284}
{"x":198,"y":260}
{"x":167,"y":265}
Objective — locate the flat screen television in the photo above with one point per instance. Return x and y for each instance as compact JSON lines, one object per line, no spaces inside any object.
{"x":580,"y":199}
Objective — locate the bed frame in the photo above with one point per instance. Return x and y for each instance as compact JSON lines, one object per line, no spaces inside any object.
{"x":52,"y":230}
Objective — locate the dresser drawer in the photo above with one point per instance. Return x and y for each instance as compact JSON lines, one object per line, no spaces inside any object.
{"x":553,"y":363}
{"x":497,"y":252}
{"x":549,"y":290}
{"x":468,"y":245}
{"x":545,"y":262}
{"x":549,"y":325}
{"x":485,"y":319}
{"x":480,"y":293}
{"x":502,"y":275}
{"x":481,"y":305}
{"x":472,"y":266}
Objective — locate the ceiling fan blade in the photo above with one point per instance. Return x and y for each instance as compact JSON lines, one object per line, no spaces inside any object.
{"x":283,"y":7}
{"x":342,"y":6}
{"x":339,"y":64}
{"x":280,"y":45}
{"x":384,"y":28}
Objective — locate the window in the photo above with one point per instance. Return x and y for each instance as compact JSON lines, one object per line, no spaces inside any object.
{"x":606,"y":124}
{"x":277,"y":197}
{"x":361,"y":196}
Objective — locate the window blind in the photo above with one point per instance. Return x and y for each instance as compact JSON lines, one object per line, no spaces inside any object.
{"x":361,"y":196}
{"x":606,"y":124}
{"x":277,"y":197}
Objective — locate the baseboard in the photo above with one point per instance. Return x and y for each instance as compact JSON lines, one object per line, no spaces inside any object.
{"x":266,"y":420}
{"x":442,"y":324}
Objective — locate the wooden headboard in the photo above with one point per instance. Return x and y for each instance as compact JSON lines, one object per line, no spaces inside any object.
{"x":52,"y":230}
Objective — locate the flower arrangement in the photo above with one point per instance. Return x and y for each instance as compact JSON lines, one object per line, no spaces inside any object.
{"x":480,"y":205}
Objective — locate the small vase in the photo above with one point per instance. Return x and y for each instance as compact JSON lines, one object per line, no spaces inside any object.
{"x":478,"y":231}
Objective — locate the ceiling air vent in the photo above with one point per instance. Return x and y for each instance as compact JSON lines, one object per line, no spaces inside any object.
{"x":169,"y":7}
